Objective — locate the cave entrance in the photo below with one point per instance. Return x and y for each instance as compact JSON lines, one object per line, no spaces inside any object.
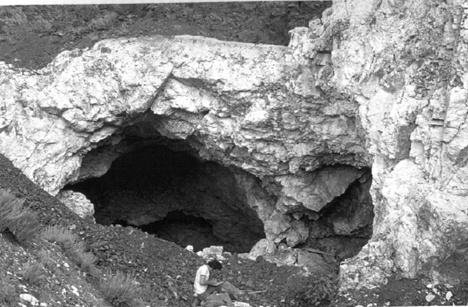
{"x":185,"y":229}
{"x":345,"y":224}
{"x":176,"y":196}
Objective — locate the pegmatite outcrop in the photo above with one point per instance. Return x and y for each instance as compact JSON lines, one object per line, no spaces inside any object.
{"x":379,"y":83}
{"x":266,"y":110}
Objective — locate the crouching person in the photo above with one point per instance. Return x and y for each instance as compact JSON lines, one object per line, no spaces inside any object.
{"x":203,"y":285}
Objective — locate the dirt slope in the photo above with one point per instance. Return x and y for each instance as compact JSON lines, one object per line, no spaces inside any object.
{"x":163,"y":270}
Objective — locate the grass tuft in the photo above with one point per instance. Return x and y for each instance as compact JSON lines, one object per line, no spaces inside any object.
{"x":8,"y":295}
{"x":58,"y":234}
{"x":73,"y":247}
{"x":33,"y":273}
{"x":120,"y":289}
{"x":18,"y":219}
{"x":78,"y":254}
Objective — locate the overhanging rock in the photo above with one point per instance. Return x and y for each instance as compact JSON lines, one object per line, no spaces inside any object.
{"x":263,"y":109}
{"x":252,"y":106}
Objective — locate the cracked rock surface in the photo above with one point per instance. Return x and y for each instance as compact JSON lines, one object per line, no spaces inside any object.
{"x":258,"y":108}
{"x":404,"y":62}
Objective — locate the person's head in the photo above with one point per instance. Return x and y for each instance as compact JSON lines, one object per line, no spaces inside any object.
{"x":215,"y":265}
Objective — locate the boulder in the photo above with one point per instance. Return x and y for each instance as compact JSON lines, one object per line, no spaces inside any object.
{"x":214,"y":252}
{"x":78,"y":203}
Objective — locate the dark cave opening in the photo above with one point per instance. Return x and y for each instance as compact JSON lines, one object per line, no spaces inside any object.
{"x":161,"y":186}
{"x":345,"y":224}
{"x":185,"y":229}
{"x":175,"y":196}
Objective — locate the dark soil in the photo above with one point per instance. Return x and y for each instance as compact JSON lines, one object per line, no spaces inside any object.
{"x":31,"y":36}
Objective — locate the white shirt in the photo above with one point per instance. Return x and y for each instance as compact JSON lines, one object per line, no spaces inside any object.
{"x":202,"y":271}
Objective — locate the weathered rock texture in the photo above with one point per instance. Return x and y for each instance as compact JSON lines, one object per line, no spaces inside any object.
{"x":254,"y":107}
{"x":265,"y":112}
{"x":405,"y":63}
{"x":78,"y":203}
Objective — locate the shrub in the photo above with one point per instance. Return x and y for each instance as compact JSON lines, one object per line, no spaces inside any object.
{"x":73,"y":247}
{"x":60,"y":235}
{"x":8,"y":296}
{"x":33,"y":273}
{"x":45,"y":259}
{"x":78,"y":254}
{"x":314,"y":290}
{"x":19,"y":220}
{"x":120,"y":289}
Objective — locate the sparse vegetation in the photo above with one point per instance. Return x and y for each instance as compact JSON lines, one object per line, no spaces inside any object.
{"x":18,"y":219}
{"x":119,"y":289}
{"x":45,"y":259}
{"x":64,"y":237}
{"x":73,"y":247}
{"x":78,"y":254}
{"x":33,"y":273}
{"x":313,"y":290}
{"x":8,"y":295}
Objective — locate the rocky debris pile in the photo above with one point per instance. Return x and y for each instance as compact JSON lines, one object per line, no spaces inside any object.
{"x":407,"y":292}
{"x":170,"y":269}
{"x":310,"y":259}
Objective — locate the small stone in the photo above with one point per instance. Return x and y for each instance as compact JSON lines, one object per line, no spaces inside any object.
{"x":448,"y":295}
{"x":29,"y":298}
{"x":430,"y":297}
{"x":75,"y":291}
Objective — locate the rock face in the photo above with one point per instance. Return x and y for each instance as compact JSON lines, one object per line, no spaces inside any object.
{"x":404,"y":62}
{"x":254,"y":107}
{"x":289,"y":145}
